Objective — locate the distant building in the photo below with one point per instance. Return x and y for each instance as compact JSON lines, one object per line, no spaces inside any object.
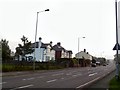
{"x":12,"y":54}
{"x":43,"y":51}
{"x":83,"y":54}
{"x":61,"y":52}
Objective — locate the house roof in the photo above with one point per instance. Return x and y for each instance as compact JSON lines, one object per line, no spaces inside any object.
{"x":58,"y":48}
{"x":44,"y":45}
{"x":69,"y":51}
{"x":84,"y":52}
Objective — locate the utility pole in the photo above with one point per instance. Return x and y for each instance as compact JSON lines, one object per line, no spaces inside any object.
{"x":117,"y":64}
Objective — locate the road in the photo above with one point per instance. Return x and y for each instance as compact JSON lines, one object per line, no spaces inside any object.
{"x":65,"y":78}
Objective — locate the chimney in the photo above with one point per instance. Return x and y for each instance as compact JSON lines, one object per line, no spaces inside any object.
{"x":51,"y":43}
{"x":40,"y":43}
{"x":84,"y":50}
{"x":58,"y":43}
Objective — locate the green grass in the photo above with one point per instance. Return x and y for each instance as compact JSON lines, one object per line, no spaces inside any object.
{"x":114,"y":84}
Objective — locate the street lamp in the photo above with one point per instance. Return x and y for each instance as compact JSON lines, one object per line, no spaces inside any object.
{"x":36,"y":36}
{"x":79,"y":42}
{"x":78,"y":45}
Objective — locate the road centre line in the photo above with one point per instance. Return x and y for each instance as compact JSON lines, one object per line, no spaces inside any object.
{"x":22,"y":87}
{"x":68,"y":73}
{"x":3,"y":83}
{"x":88,"y":82}
{"x":40,"y":77}
{"x":51,"y":80}
{"x":26,"y":86}
{"x":57,"y":74}
{"x":29,"y":78}
{"x":77,"y":75}
{"x":92,"y":74}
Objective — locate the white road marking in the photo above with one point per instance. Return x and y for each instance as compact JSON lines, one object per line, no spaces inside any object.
{"x":24,"y":79}
{"x":62,"y":78}
{"x":57,"y":74}
{"x":77,"y":75}
{"x":40,"y":77}
{"x":51,"y":80}
{"x":28,"y":79}
{"x":26,"y":86}
{"x":3,"y":83}
{"x":22,"y":87}
{"x":92,"y":74}
{"x":68,"y":73}
{"x":88,"y":83}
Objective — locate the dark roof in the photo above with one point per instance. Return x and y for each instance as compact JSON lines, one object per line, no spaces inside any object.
{"x":33,"y":45}
{"x":70,"y":51}
{"x":44,"y":45}
{"x":58,"y":48}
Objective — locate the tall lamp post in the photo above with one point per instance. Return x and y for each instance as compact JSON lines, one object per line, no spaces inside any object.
{"x":79,"y":42}
{"x":79,"y":45}
{"x":117,"y":64}
{"x":36,"y":36}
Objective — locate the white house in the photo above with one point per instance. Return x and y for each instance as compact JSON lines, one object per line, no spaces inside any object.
{"x":83,"y":54}
{"x":43,"y":52}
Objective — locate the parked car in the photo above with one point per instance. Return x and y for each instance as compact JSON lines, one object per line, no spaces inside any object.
{"x":93,"y":64}
{"x":97,"y":63}
{"x":104,"y":64}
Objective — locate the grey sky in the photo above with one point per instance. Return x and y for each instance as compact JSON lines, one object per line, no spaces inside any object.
{"x":65,"y":22}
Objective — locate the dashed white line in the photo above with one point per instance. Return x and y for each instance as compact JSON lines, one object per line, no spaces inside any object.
{"x":57,"y":74}
{"x":51,"y":80}
{"x":28,"y":79}
{"x":26,"y":86}
{"x":77,"y":75}
{"x":22,"y":87}
{"x":62,"y":78}
{"x":88,"y":83}
{"x":92,"y":74}
{"x":40,"y":77}
{"x":68,"y":73}
{"x":3,"y":83}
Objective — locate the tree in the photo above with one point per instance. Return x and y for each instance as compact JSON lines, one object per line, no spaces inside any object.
{"x":25,"y":48}
{"x":5,"y":50}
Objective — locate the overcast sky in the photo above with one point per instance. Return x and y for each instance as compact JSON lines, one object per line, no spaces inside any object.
{"x":65,"y":22}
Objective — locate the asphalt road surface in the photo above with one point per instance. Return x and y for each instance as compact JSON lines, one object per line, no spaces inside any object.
{"x":65,"y":78}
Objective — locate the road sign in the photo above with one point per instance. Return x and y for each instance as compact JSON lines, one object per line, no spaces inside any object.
{"x":115,"y":47}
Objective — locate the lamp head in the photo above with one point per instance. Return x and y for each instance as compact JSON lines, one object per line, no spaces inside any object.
{"x":47,"y":10}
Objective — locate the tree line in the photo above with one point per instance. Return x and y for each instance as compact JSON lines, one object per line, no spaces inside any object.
{"x":21,"y":50}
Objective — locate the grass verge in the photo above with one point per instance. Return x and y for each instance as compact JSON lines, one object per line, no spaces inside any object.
{"x":114,"y":84}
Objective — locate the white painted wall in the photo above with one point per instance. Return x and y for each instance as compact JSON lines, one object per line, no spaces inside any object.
{"x":38,"y":54}
{"x":82,"y":54}
{"x":49,"y":54}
